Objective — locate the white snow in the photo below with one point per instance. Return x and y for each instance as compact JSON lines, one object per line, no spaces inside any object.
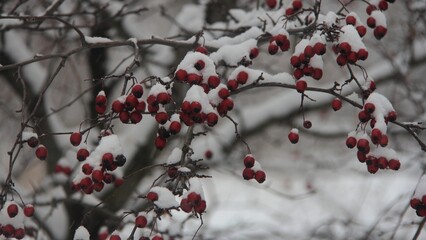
{"x":94,"y":40}
{"x":232,"y":54}
{"x":166,"y":199}
{"x":174,"y":156}
{"x":81,"y":233}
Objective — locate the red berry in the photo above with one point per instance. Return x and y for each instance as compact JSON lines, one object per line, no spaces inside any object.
{"x":380,"y":32}
{"x":394,"y":164}
{"x":19,"y":233}
{"x":202,"y":50}
{"x":297,"y":4}
{"x":248,"y":173}
{"x":82,"y":154}
{"x":383,"y":5}
{"x":319,"y":48}
{"x":29,"y":210}
{"x":8,"y":230}
{"x":298,"y":73}
{"x":87,"y":169}
{"x":254,"y":52}
{"x":341,"y":60}
{"x":369,"y":108}
{"x":152,"y":196}
{"x":382,"y":163}
{"x":363,"y":116}
{"x":272,"y":48}
{"x":414,"y":203}
{"x":185,"y":205}
{"x":100,"y":109}
{"x":141,"y":221}
{"x":242,"y":77}
{"x":280,"y":39}
{"x":352,"y":57}
{"x":213,"y":81}
{"x":124,"y":117}
{"x":372,"y":168}
{"x":232,"y":84}
{"x":307,"y":124}
{"x":271,"y":3}
{"x":361,"y":156}
{"x":160,"y":142}
{"x":336,"y":104}
{"x":199,"y":65}
{"x":86,"y":183}
{"x":370,"y":8}
{"x":196,"y":107}
{"x":223,"y":93}
{"x":351,"y":20}
{"x":351,"y":142}
{"x":175,"y":127}
{"x":194,"y":79}
{"x":317,"y":74}
{"x":295,"y":61}
{"x":212,"y":119}
{"x":260,"y":176}
{"x":33,"y":142}
{"x":152,"y":100}
{"x":289,"y":11}
{"x":75,"y":138}
{"x":362,"y":54}
{"x":100,"y":100}
{"x":201,"y":207}
{"x":137,"y":90}
{"x":249,"y":161}
{"x":345,"y":48}
{"x":114,"y":237}
{"x":293,"y":137}
{"x":181,"y":75}
{"x":309,"y":51}
{"x":361,"y":30}
{"x":285,"y":46}
{"x":384,"y":141}
{"x":371,"y":22}
{"x":131,"y":102}
{"x":12,"y":210}
{"x":41,"y":152}
{"x":208,"y":154}
{"x":117,"y":106}
{"x":97,"y":176}
{"x":163,"y":98}
{"x":376,"y":135}
{"x":363,"y":145}
{"x":301,"y":85}
{"x":391,"y":116}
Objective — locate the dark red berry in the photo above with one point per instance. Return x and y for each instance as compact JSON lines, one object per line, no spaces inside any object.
{"x":141,"y":221}
{"x":41,"y":152}
{"x":137,"y":90}
{"x":75,"y":138}
{"x":33,"y":142}
{"x":152,"y":196}
{"x":248,"y":173}
{"x":12,"y":210}
{"x":82,"y":154}
{"x":301,"y":85}
{"x":260,"y":176}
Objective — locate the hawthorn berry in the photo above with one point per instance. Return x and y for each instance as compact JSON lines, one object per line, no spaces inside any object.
{"x":194,"y":79}
{"x":301,"y":85}
{"x":293,"y":136}
{"x":249,"y":161}
{"x":137,"y":90}
{"x":361,"y":30}
{"x":394,"y":164}
{"x":260,"y":176}
{"x":124,"y":116}
{"x":212,"y":119}
{"x":307,"y":124}
{"x":87,"y":169}
{"x":160,"y":142}
{"x":336,"y":104}
{"x":383,"y":5}
{"x":380,"y":32}
{"x":391,"y":116}
{"x":114,"y":237}
{"x":271,"y":3}
{"x":196,"y":107}
{"x":12,"y":210}
{"x":309,"y":51}
{"x":8,"y":230}
{"x":131,"y":102}
{"x":141,"y":221}
{"x":371,"y":22}
{"x":202,"y":49}
{"x":363,"y":116}
{"x":213,"y":81}
{"x":100,"y":99}
{"x":82,"y":154}
{"x":289,"y":11}
{"x":181,"y":75}
{"x":369,"y":108}
{"x":41,"y":152}
{"x":117,"y":106}
{"x":362,"y":54}
{"x":199,"y":65}
{"x":135,"y":117}
{"x":33,"y":142}
{"x":363,"y":145}
{"x":75,"y":138}
{"x":208,"y":154}
{"x":141,"y":106}
{"x":319,"y":48}
{"x":254,"y":52}
{"x":295,"y":61}
{"x":350,"y":20}
{"x":242,"y":77}
{"x":297,"y":4}
{"x":19,"y":233}
{"x":351,"y":142}
{"x":201,"y":207}
{"x":341,"y":60}
{"x":248,"y":173}
{"x":29,"y":210}
{"x":272,"y":48}
{"x":152,"y":196}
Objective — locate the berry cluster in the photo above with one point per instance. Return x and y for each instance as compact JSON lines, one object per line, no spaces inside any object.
{"x":296,"y":5}
{"x":372,"y":144}
{"x":193,"y":202}
{"x":63,"y":167}
{"x":353,"y":19}
{"x":253,"y":169}
{"x":98,"y":167}
{"x":418,"y":201}
{"x":11,"y":219}
{"x":377,"y":19}
{"x":279,"y":41}
{"x":307,"y":59}
{"x":350,"y":48}
{"x":171,"y":127}
{"x":130,"y":107}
